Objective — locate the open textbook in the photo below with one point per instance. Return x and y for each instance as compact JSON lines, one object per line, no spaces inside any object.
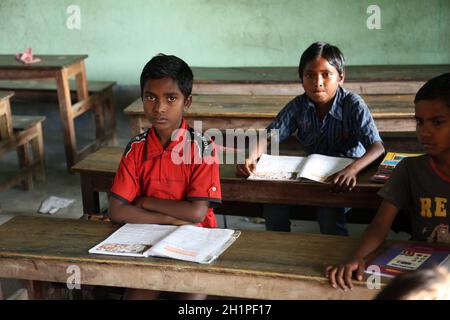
{"x":315,"y":167}
{"x":189,"y":243}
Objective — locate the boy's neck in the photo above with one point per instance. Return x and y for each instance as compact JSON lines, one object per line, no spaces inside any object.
{"x":165,"y":136}
{"x":323,"y":109}
{"x":442,"y":163}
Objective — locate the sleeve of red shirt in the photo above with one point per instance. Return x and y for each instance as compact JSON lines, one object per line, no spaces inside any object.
{"x":205,"y":181}
{"x":126,"y":186}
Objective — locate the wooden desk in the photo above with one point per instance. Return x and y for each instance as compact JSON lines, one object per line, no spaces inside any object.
{"x":390,"y":112}
{"x":380,"y":79}
{"x":60,"y":68}
{"x":259,"y":265}
{"x":98,"y":169}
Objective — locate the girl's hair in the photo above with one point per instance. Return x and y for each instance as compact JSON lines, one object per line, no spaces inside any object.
{"x":325,"y":50}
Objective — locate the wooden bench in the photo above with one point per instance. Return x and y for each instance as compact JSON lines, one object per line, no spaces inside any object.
{"x":20,"y":133}
{"x":390,"y":112}
{"x":102,"y":91}
{"x":259,"y":265}
{"x":60,"y":69}
{"x":375,"y":79}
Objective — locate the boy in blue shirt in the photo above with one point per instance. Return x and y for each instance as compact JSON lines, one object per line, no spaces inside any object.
{"x":419,"y":185}
{"x":328,"y":120}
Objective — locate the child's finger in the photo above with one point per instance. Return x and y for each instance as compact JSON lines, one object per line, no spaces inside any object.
{"x":331,"y":274}
{"x":340,"y":278}
{"x":348,"y":276}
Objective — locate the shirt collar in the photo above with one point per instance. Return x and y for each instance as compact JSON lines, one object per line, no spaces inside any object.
{"x":155,"y":148}
{"x":336,"y":106}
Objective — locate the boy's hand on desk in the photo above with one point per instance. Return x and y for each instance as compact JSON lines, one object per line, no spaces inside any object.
{"x":341,"y":276}
{"x":246,"y":169}
{"x":344,"y":180}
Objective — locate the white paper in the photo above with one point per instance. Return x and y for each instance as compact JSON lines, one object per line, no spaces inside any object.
{"x":53,"y":204}
{"x":314,"y":167}
{"x":319,"y":167}
{"x":192,"y":243}
{"x":133,"y":239}
{"x":277,"y":167}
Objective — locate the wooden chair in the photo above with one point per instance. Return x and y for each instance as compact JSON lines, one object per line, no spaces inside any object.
{"x":22,"y":133}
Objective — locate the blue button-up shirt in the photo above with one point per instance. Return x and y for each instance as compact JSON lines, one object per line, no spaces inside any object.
{"x":347,"y":130}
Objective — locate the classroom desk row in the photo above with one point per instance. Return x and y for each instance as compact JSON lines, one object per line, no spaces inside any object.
{"x":259,"y":265}
{"x":390,"y":112}
{"x":98,"y":169}
{"x":374,"y":79}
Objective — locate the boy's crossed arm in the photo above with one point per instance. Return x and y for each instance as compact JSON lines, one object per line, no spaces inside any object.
{"x":159,"y":211}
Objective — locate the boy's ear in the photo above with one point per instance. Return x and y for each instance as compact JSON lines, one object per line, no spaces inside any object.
{"x":341,"y":78}
{"x":187,"y":103}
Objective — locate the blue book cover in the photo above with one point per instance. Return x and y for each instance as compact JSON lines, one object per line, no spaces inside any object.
{"x":400,"y":257}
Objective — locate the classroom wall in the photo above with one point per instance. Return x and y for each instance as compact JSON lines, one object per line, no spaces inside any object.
{"x":120,"y":36}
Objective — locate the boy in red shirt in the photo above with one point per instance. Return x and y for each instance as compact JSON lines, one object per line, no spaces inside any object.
{"x":157,"y":181}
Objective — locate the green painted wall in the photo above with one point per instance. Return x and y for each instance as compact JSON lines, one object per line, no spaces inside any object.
{"x":120,"y":36}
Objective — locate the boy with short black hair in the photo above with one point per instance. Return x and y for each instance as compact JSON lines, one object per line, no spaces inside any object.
{"x":420,"y":185}
{"x":152,"y":185}
{"x":328,"y":120}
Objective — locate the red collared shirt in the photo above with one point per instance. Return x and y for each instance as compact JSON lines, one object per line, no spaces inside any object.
{"x":147,"y":169}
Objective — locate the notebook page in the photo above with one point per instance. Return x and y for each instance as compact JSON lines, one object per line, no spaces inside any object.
{"x":191,"y":243}
{"x":319,"y":167}
{"x":133,"y":239}
{"x":271,"y":167}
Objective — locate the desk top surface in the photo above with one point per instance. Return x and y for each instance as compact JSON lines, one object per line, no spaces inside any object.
{"x":257,"y":106}
{"x":8,"y":61}
{"x":290,"y":74}
{"x":273,"y":254}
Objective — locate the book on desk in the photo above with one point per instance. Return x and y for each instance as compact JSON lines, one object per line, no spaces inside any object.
{"x":315,"y":167}
{"x":187,"y":242}
{"x":390,"y":161}
{"x":399,"y":258}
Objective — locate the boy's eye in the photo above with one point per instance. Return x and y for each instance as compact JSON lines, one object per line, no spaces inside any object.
{"x":419,"y":122}
{"x":171,"y":99}
{"x":150,"y":98}
{"x":437,"y":122}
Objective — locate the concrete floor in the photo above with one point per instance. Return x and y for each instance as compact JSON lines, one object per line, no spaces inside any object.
{"x":60,"y":183}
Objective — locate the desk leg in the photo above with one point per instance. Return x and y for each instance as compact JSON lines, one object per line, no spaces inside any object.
{"x":67,"y":120}
{"x":81,"y":79}
{"x":91,"y":200}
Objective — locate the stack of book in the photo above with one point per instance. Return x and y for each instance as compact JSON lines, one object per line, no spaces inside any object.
{"x":388,"y":164}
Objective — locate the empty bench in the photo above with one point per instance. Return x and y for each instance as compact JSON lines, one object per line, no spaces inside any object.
{"x":100,"y":100}
{"x":22,"y":133}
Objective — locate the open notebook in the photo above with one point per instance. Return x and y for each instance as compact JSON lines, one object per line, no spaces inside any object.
{"x":189,"y":243}
{"x":315,"y":167}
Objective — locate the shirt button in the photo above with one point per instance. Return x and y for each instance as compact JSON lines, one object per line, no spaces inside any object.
{"x":213,"y":188}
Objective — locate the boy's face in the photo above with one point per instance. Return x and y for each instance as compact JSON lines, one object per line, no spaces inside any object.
{"x":433,"y":126}
{"x":164,"y":104}
{"x":320,"y":81}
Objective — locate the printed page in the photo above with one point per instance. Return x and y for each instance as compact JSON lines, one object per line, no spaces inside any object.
{"x":191,"y":243}
{"x":271,"y":167}
{"x":133,"y":239}
{"x":319,"y":167}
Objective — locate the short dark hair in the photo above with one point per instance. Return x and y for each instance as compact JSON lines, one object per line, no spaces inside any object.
{"x":437,"y":88}
{"x":431,"y":283}
{"x":325,"y":50}
{"x":162,"y":66}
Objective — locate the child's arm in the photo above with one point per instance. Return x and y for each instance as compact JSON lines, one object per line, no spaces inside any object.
{"x":121,"y":212}
{"x":372,"y":238}
{"x":345,"y":180}
{"x":248,"y":168}
{"x":194,"y":211}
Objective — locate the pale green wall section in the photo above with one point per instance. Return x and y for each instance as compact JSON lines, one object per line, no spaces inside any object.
{"x":119,"y":36}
